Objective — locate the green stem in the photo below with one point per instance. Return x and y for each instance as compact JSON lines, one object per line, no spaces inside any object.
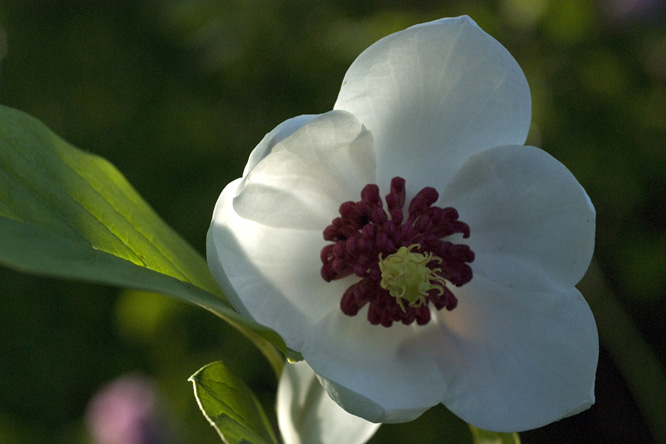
{"x":637,"y":362}
{"x":481,"y":436}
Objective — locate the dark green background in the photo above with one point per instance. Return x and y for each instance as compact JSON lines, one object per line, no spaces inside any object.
{"x":177,"y":92}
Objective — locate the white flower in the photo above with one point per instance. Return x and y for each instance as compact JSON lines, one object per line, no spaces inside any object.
{"x":307,"y":415}
{"x":480,"y":306}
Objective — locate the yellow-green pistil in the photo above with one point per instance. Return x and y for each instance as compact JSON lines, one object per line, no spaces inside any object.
{"x":407,"y":277}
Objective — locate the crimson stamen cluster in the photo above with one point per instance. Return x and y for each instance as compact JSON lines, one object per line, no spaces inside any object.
{"x":365,"y":230}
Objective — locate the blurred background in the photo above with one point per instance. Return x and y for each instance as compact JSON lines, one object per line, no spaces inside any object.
{"x":176,"y":93}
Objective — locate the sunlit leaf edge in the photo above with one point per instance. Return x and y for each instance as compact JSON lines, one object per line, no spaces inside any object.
{"x":231,"y":421}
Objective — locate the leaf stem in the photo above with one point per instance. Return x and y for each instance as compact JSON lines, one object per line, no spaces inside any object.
{"x":637,"y":362}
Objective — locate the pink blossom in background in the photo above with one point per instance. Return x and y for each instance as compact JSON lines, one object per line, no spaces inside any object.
{"x":126,"y":412}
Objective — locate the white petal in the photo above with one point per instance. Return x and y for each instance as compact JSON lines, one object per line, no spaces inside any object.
{"x":307,"y":174}
{"x":434,"y":94}
{"x":532,"y":224}
{"x":279,"y":133}
{"x":515,"y":360}
{"x":270,"y":274}
{"x":307,"y":415}
{"x":368,"y":370}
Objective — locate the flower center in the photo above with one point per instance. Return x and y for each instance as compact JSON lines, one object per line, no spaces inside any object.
{"x":404,"y":259}
{"x":406,"y":276}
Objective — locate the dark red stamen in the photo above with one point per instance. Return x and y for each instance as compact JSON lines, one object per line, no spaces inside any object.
{"x":365,"y":230}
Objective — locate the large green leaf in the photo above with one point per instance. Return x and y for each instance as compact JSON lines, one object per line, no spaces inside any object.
{"x":231,"y":407}
{"x":71,"y":214}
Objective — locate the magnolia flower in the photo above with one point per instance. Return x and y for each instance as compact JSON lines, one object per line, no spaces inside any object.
{"x":411,"y":248}
{"x":307,"y":415}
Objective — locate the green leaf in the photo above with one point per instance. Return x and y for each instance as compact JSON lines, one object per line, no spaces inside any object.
{"x":70,"y":214}
{"x":230,"y":406}
{"x":481,"y":436}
